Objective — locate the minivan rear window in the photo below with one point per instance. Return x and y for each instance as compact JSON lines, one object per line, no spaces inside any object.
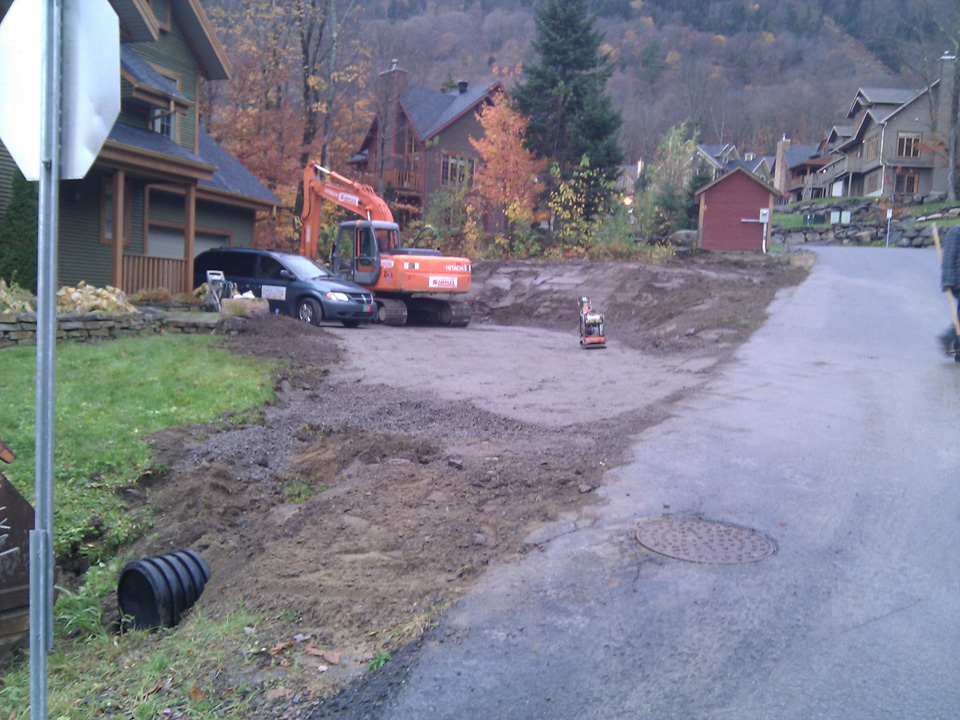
{"x":233,"y":263}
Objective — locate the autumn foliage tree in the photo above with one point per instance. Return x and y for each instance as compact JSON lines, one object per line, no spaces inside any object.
{"x":507,"y":178}
{"x":296,"y":92}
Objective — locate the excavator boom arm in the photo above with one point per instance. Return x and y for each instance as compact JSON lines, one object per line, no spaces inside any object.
{"x":320,"y":184}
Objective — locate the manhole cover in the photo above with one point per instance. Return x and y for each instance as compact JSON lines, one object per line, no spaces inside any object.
{"x":704,"y":541}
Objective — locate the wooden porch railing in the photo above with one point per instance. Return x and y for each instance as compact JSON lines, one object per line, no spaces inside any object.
{"x":141,"y":272}
{"x":400,"y":179}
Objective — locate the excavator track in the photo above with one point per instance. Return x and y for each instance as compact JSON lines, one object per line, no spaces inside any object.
{"x":431,"y":311}
{"x":391,"y":312}
{"x":459,"y":314}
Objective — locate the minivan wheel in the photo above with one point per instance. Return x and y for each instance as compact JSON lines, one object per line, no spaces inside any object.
{"x":309,"y":311}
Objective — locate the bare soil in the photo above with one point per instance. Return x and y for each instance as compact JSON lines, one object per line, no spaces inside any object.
{"x":396,"y":464}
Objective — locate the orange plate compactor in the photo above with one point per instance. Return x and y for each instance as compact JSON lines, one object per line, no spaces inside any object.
{"x":591,"y":325}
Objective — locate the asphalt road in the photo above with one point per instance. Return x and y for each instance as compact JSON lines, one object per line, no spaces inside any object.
{"x":834,"y":433}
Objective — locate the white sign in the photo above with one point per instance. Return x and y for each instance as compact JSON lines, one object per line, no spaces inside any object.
{"x":273,"y":292}
{"x":90,"y":68}
{"x":446,"y":283}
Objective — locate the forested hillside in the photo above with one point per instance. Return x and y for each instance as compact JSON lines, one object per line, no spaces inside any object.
{"x":743,"y":71}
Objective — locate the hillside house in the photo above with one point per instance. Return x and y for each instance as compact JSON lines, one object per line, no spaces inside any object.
{"x":723,"y":158}
{"x":793,"y":166}
{"x":419,"y":141}
{"x":892,"y":147}
{"x":160,"y":179}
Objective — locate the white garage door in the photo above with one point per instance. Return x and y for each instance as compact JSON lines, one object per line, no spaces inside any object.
{"x":168,"y":242}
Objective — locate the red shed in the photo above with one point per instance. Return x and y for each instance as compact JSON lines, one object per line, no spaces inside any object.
{"x":735,"y":212}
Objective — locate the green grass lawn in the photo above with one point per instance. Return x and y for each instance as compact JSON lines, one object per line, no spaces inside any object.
{"x":109,"y":395}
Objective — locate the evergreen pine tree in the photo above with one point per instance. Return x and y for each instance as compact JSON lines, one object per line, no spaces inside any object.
{"x":18,"y":235}
{"x":563,"y":95}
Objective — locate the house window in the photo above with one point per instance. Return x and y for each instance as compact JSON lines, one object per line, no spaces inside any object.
{"x":905,"y":183}
{"x":456,"y":171}
{"x":106,"y":213}
{"x":873,"y":183}
{"x":411,"y":146}
{"x":908,"y":144}
{"x":164,"y":123}
{"x":872,"y":148}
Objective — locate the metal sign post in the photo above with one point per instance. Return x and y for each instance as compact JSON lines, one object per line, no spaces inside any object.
{"x":41,"y":538}
{"x":77,"y":104}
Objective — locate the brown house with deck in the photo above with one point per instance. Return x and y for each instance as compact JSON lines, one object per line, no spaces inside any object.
{"x":419,"y":141}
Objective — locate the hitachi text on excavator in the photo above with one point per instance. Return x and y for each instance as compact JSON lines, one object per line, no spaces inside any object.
{"x":408,"y":283}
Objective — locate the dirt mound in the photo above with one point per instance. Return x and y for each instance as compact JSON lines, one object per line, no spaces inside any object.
{"x":372,"y":494}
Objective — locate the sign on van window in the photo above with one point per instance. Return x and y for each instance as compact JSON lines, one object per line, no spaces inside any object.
{"x":274,"y":292}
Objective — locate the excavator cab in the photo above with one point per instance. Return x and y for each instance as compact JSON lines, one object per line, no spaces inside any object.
{"x":357,"y":250}
{"x":366,"y":259}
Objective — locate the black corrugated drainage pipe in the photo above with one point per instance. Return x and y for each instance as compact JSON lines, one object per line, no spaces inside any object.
{"x":156,"y":591}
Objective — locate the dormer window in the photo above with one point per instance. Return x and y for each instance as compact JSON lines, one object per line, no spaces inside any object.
{"x":164,"y":122}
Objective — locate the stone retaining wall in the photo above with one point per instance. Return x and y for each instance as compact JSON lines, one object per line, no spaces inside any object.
{"x":21,"y":328}
{"x":901,"y":235}
{"x":868,"y":226}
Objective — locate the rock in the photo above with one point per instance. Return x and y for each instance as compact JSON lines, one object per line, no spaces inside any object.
{"x":794,"y":238}
{"x":244,"y":306}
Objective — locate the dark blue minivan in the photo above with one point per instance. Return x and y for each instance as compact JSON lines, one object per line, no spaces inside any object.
{"x":292,"y":284}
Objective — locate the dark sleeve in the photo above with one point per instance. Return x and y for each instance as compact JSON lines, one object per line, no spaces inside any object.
{"x":950,"y":267}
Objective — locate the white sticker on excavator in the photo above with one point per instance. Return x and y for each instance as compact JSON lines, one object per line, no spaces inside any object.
{"x":273,"y":292}
{"x":444,"y":283}
{"x":386,"y":263}
{"x":411,"y":266}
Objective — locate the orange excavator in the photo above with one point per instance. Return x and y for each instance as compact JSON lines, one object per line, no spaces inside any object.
{"x":408,"y":283}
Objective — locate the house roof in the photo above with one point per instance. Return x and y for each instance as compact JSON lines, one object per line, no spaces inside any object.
{"x":739,"y":169}
{"x":137,"y":21}
{"x":203,"y":40}
{"x":230,"y":176}
{"x":431,"y":111}
{"x":872,"y":97}
{"x":152,"y":142}
{"x":840,"y":132}
{"x":798,"y":154}
{"x":215,"y":168}
{"x":719,"y":153}
{"x":909,"y":102}
{"x":142,"y":73}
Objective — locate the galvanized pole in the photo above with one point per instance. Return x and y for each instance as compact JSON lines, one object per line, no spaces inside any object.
{"x":41,"y":538}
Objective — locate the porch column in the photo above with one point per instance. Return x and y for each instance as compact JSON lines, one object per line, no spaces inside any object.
{"x":189,"y":230}
{"x":119,"y":224}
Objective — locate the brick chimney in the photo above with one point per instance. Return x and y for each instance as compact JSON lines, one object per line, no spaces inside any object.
{"x":391,"y":86}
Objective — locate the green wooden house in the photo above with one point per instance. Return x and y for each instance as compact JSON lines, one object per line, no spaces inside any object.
{"x":161,"y":190}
